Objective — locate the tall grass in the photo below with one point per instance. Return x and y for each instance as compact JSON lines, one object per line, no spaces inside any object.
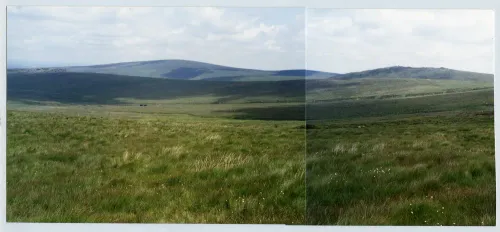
{"x":416,"y":171}
{"x":171,"y":169}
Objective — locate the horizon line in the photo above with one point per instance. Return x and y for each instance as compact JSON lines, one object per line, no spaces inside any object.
{"x":253,"y":69}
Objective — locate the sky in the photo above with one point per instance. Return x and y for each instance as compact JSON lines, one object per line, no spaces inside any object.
{"x":354,"y":40}
{"x":261,"y":38}
{"x":333,"y":40}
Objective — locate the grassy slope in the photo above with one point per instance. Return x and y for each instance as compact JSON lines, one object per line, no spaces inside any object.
{"x":249,"y":111}
{"x":177,"y":169}
{"x":154,"y":163}
{"x":397,"y":107}
{"x":416,"y":161}
{"x":396,"y":72}
{"x":332,"y":89}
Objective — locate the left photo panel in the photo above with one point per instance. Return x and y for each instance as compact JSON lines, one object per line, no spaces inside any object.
{"x":156,"y":115}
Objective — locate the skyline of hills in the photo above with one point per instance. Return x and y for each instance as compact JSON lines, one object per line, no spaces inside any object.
{"x":194,"y":70}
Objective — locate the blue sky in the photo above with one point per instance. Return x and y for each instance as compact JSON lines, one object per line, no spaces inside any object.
{"x":263,"y":38}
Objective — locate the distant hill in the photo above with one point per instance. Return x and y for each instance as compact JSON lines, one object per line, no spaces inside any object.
{"x":184,"y":70}
{"x":419,"y":73}
{"x":395,"y":82}
{"x":92,"y":88}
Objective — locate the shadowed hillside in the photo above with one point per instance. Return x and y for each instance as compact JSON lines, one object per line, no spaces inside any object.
{"x":106,"y":89}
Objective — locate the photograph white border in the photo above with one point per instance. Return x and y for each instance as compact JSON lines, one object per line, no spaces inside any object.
{"x":336,"y":4}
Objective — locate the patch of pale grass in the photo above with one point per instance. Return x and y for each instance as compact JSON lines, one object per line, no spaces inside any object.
{"x":353,"y":149}
{"x":420,"y":144}
{"x":126,"y":156}
{"x":129,"y":156}
{"x":175,"y":151}
{"x":453,"y":163}
{"x":225,"y":162}
{"x":339,"y":148}
{"x":213,"y":137}
{"x":378,"y":147}
{"x":480,"y":150}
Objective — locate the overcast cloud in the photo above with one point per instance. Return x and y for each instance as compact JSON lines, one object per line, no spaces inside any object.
{"x":263,"y":38}
{"x":354,"y":40}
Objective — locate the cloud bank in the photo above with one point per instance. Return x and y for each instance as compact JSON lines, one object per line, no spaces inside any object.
{"x":264,"y":38}
{"x":355,"y":40}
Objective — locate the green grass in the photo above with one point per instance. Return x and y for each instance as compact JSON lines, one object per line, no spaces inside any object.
{"x":255,"y":111}
{"x":415,"y":161}
{"x":478,"y":100}
{"x":366,"y":88}
{"x":170,"y":169}
{"x":379,"y":152}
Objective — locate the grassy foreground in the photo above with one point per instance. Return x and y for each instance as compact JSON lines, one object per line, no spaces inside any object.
{"x":405,"y":165}
{"x":169,"y":169}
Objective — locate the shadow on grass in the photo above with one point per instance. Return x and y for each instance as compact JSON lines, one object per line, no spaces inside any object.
{"x":277,"y":113}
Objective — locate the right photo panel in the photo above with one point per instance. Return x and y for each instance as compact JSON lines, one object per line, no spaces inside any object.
{"x":402,"y":131}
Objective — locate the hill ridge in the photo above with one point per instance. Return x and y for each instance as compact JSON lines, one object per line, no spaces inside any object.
{"x":185,"y":69}
{"x":399,"y":71}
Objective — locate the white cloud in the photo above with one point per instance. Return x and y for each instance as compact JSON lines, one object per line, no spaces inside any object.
{"x":92,"y":35}
{"x":354,"y":40}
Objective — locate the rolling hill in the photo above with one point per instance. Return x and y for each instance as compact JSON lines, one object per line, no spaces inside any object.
{"x":184,"y":70}
{"x":418,"y":73}
{"x":92,"y":85}
{"x":398,"y":81}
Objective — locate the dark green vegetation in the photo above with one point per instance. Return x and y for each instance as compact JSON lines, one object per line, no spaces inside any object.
{"x":423,"y":160}
{"x":175,"y":169}
{"x":85,"y":88}
{"x":185,"y":70}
